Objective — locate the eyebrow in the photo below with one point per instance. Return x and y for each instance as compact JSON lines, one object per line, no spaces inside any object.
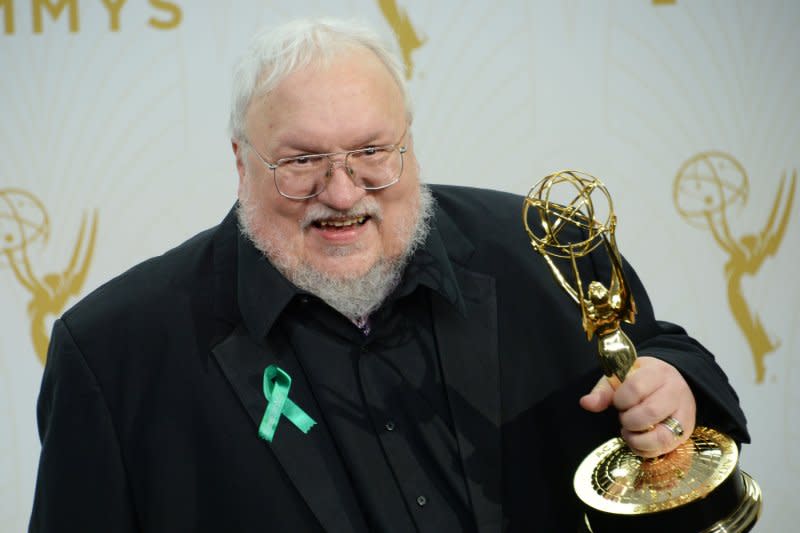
{"x":301,"y":145}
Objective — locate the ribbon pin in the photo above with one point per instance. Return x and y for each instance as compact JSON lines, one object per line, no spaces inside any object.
{"x":276,"y":386}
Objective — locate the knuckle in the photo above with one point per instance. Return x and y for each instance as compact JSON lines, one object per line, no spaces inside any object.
{"x":636,"y":389}
{"x":624,"y":399}
{"x":649,"y":412}
{"x":627,"y":421}
{"x":633,"y":421}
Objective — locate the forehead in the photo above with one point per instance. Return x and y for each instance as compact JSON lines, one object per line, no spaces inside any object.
{"x":349,"y":98}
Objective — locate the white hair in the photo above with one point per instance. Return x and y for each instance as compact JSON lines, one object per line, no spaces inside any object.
{"x":275,"y":53}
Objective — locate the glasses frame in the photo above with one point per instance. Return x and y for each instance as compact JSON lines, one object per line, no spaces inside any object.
{"x":331,"y":164}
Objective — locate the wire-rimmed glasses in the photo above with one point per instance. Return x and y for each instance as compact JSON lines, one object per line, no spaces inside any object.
{"x":305,"y":176}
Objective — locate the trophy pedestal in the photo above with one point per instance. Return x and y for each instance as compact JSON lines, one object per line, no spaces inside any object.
{"x":697,"y":488}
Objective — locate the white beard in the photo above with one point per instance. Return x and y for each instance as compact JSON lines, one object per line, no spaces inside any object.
{"x":354,"y":297}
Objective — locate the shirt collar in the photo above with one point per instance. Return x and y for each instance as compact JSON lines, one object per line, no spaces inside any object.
{"x":264,"y":293}
{"x":430,"y":266}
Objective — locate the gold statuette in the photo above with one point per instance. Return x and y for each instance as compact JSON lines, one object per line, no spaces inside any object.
{"x":697,"y":487}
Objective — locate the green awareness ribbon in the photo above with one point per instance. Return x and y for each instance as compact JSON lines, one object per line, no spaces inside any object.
{"x":276,"y":386}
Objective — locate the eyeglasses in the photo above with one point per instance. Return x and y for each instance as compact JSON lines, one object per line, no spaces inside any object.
{"x":305,"y":176}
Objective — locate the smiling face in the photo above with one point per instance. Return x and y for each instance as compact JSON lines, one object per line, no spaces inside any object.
{"x":345,"y":231}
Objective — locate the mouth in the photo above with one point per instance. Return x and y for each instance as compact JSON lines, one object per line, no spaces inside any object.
{"x":341,"y":223}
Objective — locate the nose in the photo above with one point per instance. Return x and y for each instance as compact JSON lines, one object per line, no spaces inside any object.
{"x":338,"y":163}
{"x":340,"y":191}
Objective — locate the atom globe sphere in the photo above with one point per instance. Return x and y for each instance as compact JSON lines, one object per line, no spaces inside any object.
{"x":568,"y":198}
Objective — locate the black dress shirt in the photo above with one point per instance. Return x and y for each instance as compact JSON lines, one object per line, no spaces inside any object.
{"x":382,"y":397}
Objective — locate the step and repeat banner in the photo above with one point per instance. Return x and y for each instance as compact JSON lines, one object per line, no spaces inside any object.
{"x":113,"y":148}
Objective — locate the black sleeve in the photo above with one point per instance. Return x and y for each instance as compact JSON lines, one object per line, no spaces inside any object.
{"x":717,"y":402}
{"x":81,"y":483}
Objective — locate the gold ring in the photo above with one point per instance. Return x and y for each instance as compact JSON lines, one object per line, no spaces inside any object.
{"x":673,"y":425}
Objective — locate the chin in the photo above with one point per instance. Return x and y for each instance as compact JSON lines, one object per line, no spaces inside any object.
{"x":343,"y":266}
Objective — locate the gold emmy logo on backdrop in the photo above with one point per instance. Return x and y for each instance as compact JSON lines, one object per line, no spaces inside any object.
{"x":40,"y":8}
{"x":404,"y":32}
{"x":707,"y":187}
{"x":698,"y":487}
{"x":23,"y":222}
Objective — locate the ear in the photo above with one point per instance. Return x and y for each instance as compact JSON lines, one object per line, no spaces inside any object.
{"x":240,"y":152}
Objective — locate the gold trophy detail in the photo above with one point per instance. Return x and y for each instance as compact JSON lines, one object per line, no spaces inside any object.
{"x":698,"y":487}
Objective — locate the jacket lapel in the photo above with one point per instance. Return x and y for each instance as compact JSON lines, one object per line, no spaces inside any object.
{"x":310,"y":459}
{"x":473,"y":390}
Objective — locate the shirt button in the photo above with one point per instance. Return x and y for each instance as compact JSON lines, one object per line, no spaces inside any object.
{"x":421,"y":501}
{"x":389,"y":426}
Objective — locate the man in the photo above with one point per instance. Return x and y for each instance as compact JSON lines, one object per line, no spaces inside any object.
{"x":432,"y":367}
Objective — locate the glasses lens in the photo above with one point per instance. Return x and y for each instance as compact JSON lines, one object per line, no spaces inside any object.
{"x":375,"y":168}
{"x":301,"y":177}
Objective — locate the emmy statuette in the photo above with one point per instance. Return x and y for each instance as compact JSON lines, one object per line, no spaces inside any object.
{"x":696,"y":488}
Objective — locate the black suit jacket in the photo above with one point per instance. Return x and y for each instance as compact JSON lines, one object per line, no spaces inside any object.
{"x":151,"y":396}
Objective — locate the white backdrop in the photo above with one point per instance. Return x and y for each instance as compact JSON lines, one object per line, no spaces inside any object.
{"x":117,"y":109}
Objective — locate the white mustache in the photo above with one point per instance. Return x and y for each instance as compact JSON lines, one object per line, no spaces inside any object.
{"x":367,"y":206}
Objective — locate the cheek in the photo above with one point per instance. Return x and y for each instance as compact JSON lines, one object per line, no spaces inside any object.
{"x":273,"y":206}
{"x":285,"y":216}
{"x":398,"y":223}
{"x":275,"y":216}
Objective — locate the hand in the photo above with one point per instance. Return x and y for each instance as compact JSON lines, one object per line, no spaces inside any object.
{"x":652,"y":391}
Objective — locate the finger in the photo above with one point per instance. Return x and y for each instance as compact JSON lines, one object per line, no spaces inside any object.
{"x":652,"y":410}
{"x":654,"y":443}
{"x":599,"y":398}
{"x":660,"y":439}
{"x":637,"y":387}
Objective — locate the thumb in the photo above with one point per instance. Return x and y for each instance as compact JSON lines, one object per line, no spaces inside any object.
{"x":599,"y":398}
